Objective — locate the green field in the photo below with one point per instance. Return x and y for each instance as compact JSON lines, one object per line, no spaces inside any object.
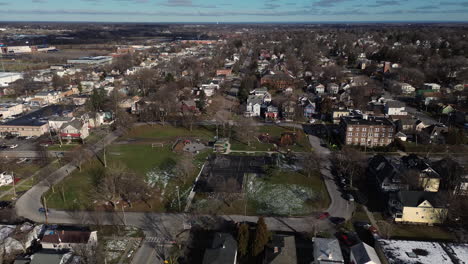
{"x":168,"y":132}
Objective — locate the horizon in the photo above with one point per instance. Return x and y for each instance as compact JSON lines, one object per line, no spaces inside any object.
{"x":242,"y":11}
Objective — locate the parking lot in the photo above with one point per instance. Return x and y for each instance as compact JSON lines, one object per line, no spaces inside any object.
{"x":18,"y":144}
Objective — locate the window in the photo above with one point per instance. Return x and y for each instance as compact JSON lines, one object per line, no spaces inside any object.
{"x":390,"y":135}
{"x":363,"y":134}
{"x":356,"y":134}
{"x":376,"y":135}
{"x":350,"y":134}
{"x":376,"y":129}
{"x":370,"y":134}
{"x":383,"y":129}
{"x":376,"y":140}
{"x":350,"y":139}
{"x":357,"y":128}
{"x":364,"y":129}
{"x":390,"y":129}
{"x":350,"y":128}
{"x":363,"y":139}
{"x":383,"y":134}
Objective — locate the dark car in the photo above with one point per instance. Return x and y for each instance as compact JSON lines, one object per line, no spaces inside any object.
{"x":42,"y":210}
{"x":337,"y":220}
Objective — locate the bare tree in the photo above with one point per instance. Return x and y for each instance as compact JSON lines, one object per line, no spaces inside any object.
{"x":349,"y":163}
{"x":246,"y":130}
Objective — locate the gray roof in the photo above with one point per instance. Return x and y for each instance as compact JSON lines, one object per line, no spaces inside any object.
{"x":395,"y":104}
{"x":415,"y":198}
{"x":327,"y":250}
{"x":364,"y":253}
{"x":286,"y":246}
{"x":223,"y":250}
{"x":77,"y":124}
{"x":48,"y":258}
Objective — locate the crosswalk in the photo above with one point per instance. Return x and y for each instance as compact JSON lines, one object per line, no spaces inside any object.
{"x":158,"y":240}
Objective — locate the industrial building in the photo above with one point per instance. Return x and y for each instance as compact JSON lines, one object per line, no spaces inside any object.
{"x":9,"y":77}
{"x":91,"y":60}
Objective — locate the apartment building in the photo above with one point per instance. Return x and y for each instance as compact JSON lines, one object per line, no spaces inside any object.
{"x":370,"y":131}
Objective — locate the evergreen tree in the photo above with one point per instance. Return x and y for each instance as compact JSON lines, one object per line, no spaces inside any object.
{"x":243,"y":239}
{"x":261,"y":237}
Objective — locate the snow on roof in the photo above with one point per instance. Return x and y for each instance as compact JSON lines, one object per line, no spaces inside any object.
{"x":416,"y":252}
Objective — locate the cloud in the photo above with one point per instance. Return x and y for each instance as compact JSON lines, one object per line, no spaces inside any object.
{"x":455,"y":3}
{"x":382,"y":3}
{"x":3,"y":4}
{"x":185,"y":3}
{"x":328,"y":3}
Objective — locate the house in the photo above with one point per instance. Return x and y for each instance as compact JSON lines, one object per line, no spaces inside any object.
{"x":417,"y":207}
{"x":225,"y":72}
{"x":281,"y":250}
{"x":418,"y":252}
{"x":223,"y":250}
{"x":437,"y":133}
{"x":395,"y":108}
{"x":5,"y":179}
{"x":65,"y":239}
{"x":327,"y":250}
{"x":6,"y":78}
{"x":288,"y":110}
{"x":428,"y":179}
{"x":407,"y":88}
{"x":309,"y":109}
{"x":262,"y":92}
{"x":386,"y":174}
{"x":49,"y":97}
{"x":363,"y":254}
{"x":338,"y":113}
{"x":56,"y":122}
{"x":367,"y":131}
{"x":319,"y":89}
{"x":432,"y":86}
{"x":73,"y":130}
{"x":188,"y":106}
{"x":45,"y":257}
{"x":333,"y":88}
{"x":254,"y":105}
{"x":401,"y":136}
{"x":271,"y":112}
{"x":10,"y":109}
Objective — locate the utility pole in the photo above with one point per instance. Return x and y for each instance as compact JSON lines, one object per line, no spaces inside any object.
{"x":104,"y":157}
{"x":123,"y":213}
{"x":178,"y":197}
{"x":14,"y":184}
{"x":45,"y":209}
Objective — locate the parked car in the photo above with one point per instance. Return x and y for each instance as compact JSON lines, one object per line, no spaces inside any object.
{"x":344,"y":238}
{"x":42,"y":210}
{"x":323,"y":215}
{"x":337,"y":220}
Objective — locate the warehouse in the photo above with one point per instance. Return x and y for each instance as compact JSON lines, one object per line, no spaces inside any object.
{"x":91,"y":60}
{"x":8,"y":77}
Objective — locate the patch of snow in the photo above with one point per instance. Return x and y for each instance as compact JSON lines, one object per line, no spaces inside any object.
{"x":158,"y":178}
{"x":117,"y":245}
{"x":33,"y":235}
{"x":5,"y":231}
{"x":13,"y":246}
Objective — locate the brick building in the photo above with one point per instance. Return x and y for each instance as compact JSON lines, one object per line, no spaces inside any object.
{"x":370,"y":131}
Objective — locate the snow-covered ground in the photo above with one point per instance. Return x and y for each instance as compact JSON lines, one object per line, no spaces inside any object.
{"x":417,"y":252}
{"x":280,"y":199}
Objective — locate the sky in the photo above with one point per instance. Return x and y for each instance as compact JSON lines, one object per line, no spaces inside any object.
{"x":224,"y":11}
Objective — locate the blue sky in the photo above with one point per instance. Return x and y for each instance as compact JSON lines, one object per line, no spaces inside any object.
{"x":233,"y":10}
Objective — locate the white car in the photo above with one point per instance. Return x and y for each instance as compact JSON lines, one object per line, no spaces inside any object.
{"x":14,"y":146}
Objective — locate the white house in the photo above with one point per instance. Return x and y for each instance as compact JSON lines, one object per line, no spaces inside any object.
{"x":363,"y":254}
{"x":254,"y":105}
{"x":5,"y":179}
{"x":407,"y":88}
{"x":395,"y":108}
{"x":8,"y":77}
{"x":263,"y":93}
{"x":432,"y":86}
{"x":49,"y":97}
{"x":75,"y":129}
{"x":320,"y":89}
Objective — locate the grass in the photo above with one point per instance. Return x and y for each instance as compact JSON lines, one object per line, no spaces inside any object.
{"x":64,"y":147}
{"x":360,"y":215}
{"x":275,"y":132}
{"x":168,"y":132}
{"x":421,"y":232}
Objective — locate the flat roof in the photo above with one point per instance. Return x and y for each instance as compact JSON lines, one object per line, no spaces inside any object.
{"x":8,"y":74}
{"x":39,"y":117}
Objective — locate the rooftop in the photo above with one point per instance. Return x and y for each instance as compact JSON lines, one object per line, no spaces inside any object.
{"x":39,"y":117}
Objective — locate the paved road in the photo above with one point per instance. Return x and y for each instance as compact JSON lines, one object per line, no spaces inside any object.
{"x":28,"y":153}
{"x":168,"y":225}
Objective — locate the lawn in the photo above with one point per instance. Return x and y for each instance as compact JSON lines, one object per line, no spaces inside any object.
{"x":275,"y":132}
{"x":420,"y":232}
{"x":283,"y":193}
{"x":169,"y":133}
{"x":76,"y":190}
{"x":64,"y":147}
